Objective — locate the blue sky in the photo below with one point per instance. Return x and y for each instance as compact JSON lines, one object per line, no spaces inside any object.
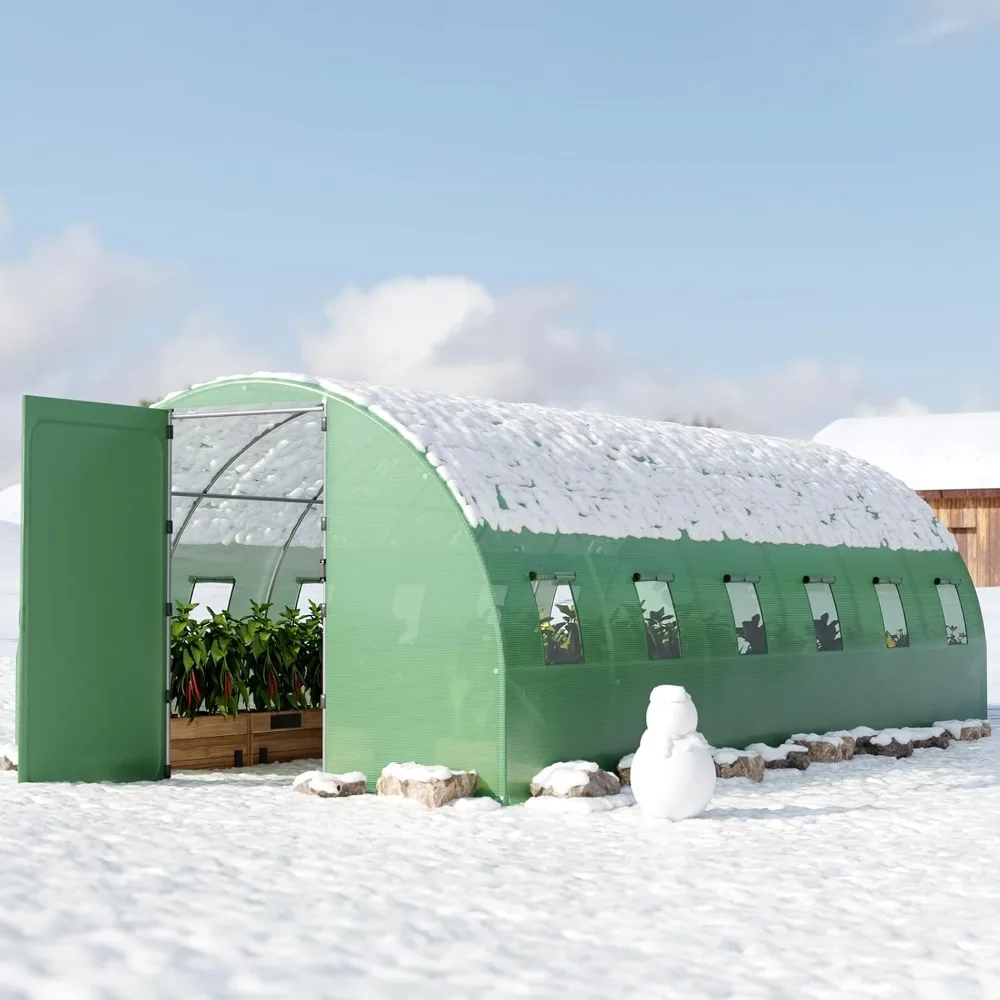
{"x":742,"y":197}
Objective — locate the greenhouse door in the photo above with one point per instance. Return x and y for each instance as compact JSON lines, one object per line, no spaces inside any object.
{"x":93,"y":643}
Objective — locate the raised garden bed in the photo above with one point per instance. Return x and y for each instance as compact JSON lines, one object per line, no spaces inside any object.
{"x":218,"y":741}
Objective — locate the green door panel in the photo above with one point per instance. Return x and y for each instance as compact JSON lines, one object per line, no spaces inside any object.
{"x":92,"y":677}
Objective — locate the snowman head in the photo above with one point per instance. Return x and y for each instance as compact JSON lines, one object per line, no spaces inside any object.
{"x":671,"y":712}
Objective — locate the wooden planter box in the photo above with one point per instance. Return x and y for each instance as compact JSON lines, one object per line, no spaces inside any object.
{"x":208,"y":741}
{"x":215,"y":741}
{"x":283,"y":736}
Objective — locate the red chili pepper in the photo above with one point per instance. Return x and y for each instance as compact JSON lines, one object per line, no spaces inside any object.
{"x":197,"y":692}
{"x":189,"y":695}
{"x":228,"y":686}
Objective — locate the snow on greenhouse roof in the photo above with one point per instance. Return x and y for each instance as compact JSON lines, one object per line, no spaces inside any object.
{"x":930,"y":451}
{"x":520,"y":466}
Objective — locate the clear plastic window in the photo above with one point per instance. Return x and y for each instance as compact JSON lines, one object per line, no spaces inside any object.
{"x":751,"y":635}
{"x":893,"y":619}
{"x":954,"y":616}
{"x":209,"y":597}
{"x":561,"y":642}
{"x":825,"y":619}
{"x":310,"y":592}
{"x":663,"y":640}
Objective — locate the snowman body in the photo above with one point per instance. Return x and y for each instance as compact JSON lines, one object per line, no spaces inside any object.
{"x":673,"y":772}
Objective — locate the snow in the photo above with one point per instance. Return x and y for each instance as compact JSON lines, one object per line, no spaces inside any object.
{"x":928,"y":451}
{"x":418,"y":772}
{"x":776,"y":753}
{"x":10,"y":504}
{"x":564,"y":776}
{"x":224,"y":884}
{"x":580,"y":805}
{"x":519,"y":466}
{"x":989,"y":603}
{"x":10,"y":586}
{"x":830,"y":738}
{"x":673,"y":773}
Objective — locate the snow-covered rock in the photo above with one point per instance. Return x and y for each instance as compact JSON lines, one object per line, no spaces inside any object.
{"x":936,"y":737}
{"x":625,"y":768}
{"x":825,"y":748}
{"x":330,"y":786}
{"x":967,"y":729}
{"x":788,"y":756}
{"x":430,"y":785}
{"x":730,"y":763}
{"x":672,"y":774}
{"x":575,"y":779}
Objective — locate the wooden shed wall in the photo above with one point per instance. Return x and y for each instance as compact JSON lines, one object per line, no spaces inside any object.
{"x":973,"y":516}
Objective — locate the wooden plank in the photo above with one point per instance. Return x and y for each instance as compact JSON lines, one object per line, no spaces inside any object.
{"x":260,"y":722}
{"x":210,"y":725}
{"x":979,"y":494}
{"x":287,"y":744}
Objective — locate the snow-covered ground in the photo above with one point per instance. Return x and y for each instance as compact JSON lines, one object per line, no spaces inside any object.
{"x":874,"y":878}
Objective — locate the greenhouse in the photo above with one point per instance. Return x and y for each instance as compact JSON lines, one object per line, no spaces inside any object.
{"x":484,"y":585}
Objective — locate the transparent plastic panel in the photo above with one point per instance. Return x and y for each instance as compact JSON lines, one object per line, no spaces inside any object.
{"x":751,"y":634}
{"x":825,"y":619}
{"x":561,"y":640}
{"x":954,"y":616}
{"x":893,"y":618}
{"x":662,"y":636}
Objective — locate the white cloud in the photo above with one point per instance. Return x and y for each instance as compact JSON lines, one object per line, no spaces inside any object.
{"x":902,"y":407}
{"x":74,"y":319}
{"x":451,"y":334}
{"x":940,"y":19}
{"x":70,"y":295}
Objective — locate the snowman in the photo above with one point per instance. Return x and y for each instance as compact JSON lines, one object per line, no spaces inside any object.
{"x":673,"y":772}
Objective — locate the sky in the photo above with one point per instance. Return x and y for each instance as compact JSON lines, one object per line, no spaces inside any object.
{"x":768,"y":213}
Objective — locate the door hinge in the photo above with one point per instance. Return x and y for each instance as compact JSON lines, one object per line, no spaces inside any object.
{"x":167,"y":696}
{"x":170,"y":432}
{"x":322,"y":424}
{"x":322,"y":524}
{"x":166,"y":771}
{"x":170,"y":527}
{"x":170,"y":609}
{"x":322,"y":701}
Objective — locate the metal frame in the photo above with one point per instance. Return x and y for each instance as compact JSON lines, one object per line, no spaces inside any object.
{"x":297,"y":411}
{"x":326,"y":473}
{"x":227,"y":465}
{"x":168,"y":543}
{"x":288,"y":541}
{"x":240,"y":496}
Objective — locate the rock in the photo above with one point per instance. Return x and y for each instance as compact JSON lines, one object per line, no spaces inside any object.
{"x":625,"y":768}
{"x":891,"y":743}
{"x":823,"y":749}
{"x":731,"y":763}
{"x":862,"y":737}
{"x":848,"y":744}
{"x":6,"y":764}
{"x":575,"y":779}
{"x":330,"y":786}
{"x":966,"y":730}
{"x":789,"y":756}
{"x":934,"y":737}
{"x":431,"y":786}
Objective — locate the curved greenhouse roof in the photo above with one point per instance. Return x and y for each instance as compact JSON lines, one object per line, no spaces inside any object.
{"x":523,"y":467}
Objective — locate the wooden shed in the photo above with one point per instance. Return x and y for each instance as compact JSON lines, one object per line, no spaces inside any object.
{"x":952,"y":460}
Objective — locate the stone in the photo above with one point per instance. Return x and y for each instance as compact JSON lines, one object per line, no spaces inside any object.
{"x":575,"y":779}
{"x":430,"y":786}
{"x":739,"y":764}
{"x":625,"y":768}
{"x":936,"y":737}
{"x":966,"y":730}
{"x":6,"y":764}
{"x":824,"y":749}
{"x":330,"y":786}
{"x":891,"y":743}
{"x":787,"y":757}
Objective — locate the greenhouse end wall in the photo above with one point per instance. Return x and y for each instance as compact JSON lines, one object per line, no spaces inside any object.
{"x":415,"y":666}
{"x":595,"y":710}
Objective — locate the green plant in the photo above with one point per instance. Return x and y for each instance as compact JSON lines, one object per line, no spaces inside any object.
{"x":188,"y":660}
{"x":662,"y":637}
{"x":561,"y":638}
{"x":224,"y":665}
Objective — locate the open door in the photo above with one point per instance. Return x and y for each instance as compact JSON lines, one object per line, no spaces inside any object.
{"x":92,"y":675}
